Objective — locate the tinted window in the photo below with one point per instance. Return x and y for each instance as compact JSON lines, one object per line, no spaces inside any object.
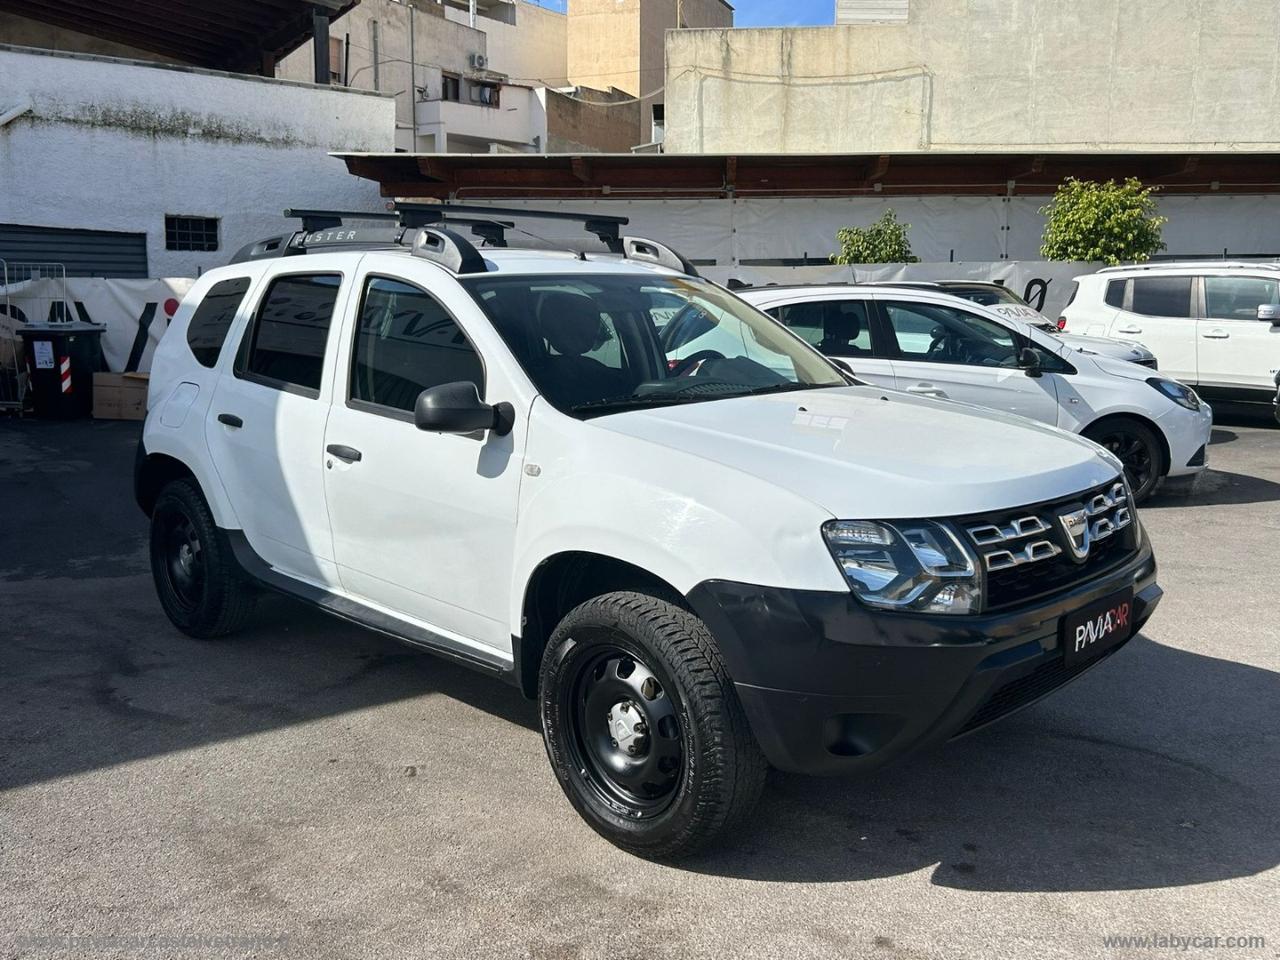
{"x":1238,"y":298}
{"x":937,"y":334}
{"x":405,"y":343}
{"x":212,"y":319}
{"x":1162,"y":296}
{"x":286,"y":344}
{"x":839,"y":328}
{"x":1115,"y":293}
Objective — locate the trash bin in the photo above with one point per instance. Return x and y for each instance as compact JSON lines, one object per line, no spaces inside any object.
{"x":61,"y":360}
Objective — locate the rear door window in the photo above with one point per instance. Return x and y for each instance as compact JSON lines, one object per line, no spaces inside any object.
{"x":212,"y":320}
{"x":1162,"y":296}
{"x":284,"y":347}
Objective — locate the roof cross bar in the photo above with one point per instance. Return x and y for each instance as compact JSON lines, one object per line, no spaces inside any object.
{"x":603,"y":226}
{"x":313,"y":220}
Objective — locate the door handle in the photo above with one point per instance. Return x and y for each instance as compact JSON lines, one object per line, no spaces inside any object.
{"x":1129,"y":329}
{"x":926,"y":391}
{"x":231,"y":420}
{"x":343,"y":452}
{"x":1216,"y":335}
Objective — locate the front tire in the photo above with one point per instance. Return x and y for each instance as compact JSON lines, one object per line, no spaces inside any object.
{"x":1138,"y":448}
{"x":199,"y":583}
{"x":643,"y":727}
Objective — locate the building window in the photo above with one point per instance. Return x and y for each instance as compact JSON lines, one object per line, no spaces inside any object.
{"x":336,"y":72}
{"x":450,"y":88}
{"x":190,"y":233}
{"x":485,"y":94}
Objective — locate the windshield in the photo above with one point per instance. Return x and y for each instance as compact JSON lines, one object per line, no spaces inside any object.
{"x":1004,"y":302}
{"x":599,"y":344}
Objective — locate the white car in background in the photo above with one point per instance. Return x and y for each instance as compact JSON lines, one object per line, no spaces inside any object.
{"x":932,"y":344}
{"x":1215,"y":324}
{"x":1007,"y":303}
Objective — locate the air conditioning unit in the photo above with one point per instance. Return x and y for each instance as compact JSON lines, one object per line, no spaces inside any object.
{"x":479,"y":61}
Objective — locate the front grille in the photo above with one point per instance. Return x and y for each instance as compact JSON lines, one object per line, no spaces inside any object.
{"x":1033,"y":551}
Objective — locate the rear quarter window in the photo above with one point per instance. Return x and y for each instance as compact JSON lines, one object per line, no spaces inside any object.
{"x":209,"y":325}
{"x":1115,"y":293}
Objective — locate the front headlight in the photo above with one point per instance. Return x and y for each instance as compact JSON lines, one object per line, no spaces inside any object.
{"x":914,"y":565}
{"x":1179,"y":393}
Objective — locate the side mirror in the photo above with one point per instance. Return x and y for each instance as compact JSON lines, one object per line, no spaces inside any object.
{"x":1029,"y":361}
{"x":844,"y":367}
{"x":457,"y":408}
{"x":1269,"y":312}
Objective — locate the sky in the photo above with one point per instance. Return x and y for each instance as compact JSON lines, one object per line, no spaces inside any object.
{"x":761,"y":13}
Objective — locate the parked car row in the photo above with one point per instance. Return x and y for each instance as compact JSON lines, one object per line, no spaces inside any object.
{"x":680,"y":525}
{"x":923,"y":340}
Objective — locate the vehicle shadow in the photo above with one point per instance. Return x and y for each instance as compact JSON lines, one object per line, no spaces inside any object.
{"x":1141,"y":774}
{"x":1213,"y":488}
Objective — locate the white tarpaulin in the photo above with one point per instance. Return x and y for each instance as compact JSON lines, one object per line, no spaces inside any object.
{"x":134,"y":312}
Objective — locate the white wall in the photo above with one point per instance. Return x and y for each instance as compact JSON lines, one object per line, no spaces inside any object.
{"x":942,"y":228}
{"x":116,"y":144}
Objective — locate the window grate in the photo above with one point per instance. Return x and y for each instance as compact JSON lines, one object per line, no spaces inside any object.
{"x":190,"y":233}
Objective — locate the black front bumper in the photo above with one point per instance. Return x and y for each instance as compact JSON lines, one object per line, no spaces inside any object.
{"x":831,"y":686}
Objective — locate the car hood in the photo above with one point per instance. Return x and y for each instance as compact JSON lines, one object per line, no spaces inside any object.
{"x":866,"y":452}
{"x":1106,"y":346}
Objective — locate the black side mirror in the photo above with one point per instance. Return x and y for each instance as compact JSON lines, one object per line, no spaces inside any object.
{"x":1029,"y":361}
{"x":843,"y":367}
{"x":457,"y":408}
{"x":1269,"y":312}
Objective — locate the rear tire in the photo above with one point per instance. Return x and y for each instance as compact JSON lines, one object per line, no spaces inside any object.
{"x":200,"y":585}
{"x":1138,"y":448}
{"x":643,"y":727}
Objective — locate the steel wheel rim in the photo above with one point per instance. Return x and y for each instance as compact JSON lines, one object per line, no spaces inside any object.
{"x":1138,"y":462}
{"x":626,"y":740}
{"x":183,"y":554}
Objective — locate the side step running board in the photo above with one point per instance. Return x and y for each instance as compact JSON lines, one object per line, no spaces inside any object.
{"x":261,"y":572}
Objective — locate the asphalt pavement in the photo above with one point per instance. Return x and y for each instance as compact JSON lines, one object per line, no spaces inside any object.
{"x":308,"y":789}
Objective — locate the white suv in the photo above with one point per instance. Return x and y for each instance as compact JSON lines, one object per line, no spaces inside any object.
{"x":1213,"y":324}
{"x":698,"y":566}
{"x":928,"y":342}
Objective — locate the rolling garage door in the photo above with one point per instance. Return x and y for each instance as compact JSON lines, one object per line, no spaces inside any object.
{"x":85,"y":253}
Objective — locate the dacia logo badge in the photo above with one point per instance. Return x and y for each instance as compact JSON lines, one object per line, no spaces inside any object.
{"x":1077,"y":532}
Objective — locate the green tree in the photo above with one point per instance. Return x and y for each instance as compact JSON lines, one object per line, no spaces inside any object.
{"x":1108,"y":222}
{"x":885,"y":241}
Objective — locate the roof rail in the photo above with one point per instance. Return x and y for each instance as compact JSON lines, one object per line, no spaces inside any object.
{"x":486,"y":228}
{"x":651,"y":251}
{"x":424,"y":229}
{"x":451,"y":250}
{"x":1216,"y":264}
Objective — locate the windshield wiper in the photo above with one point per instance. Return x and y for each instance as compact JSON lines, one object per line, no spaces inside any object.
{"x":643,"y":400}
{"x":787,"y":388}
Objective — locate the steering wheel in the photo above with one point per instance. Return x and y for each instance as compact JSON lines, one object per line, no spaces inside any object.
{"x":685,"y":367}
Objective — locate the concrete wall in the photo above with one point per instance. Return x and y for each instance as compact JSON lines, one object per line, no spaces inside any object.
{"x":439,"y":42}
{"x":575,"y":126}
{"x":986,"y":75}
{"x":117,"y":145}
{"x":532,"y":50}
{"x":21,"y":32}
